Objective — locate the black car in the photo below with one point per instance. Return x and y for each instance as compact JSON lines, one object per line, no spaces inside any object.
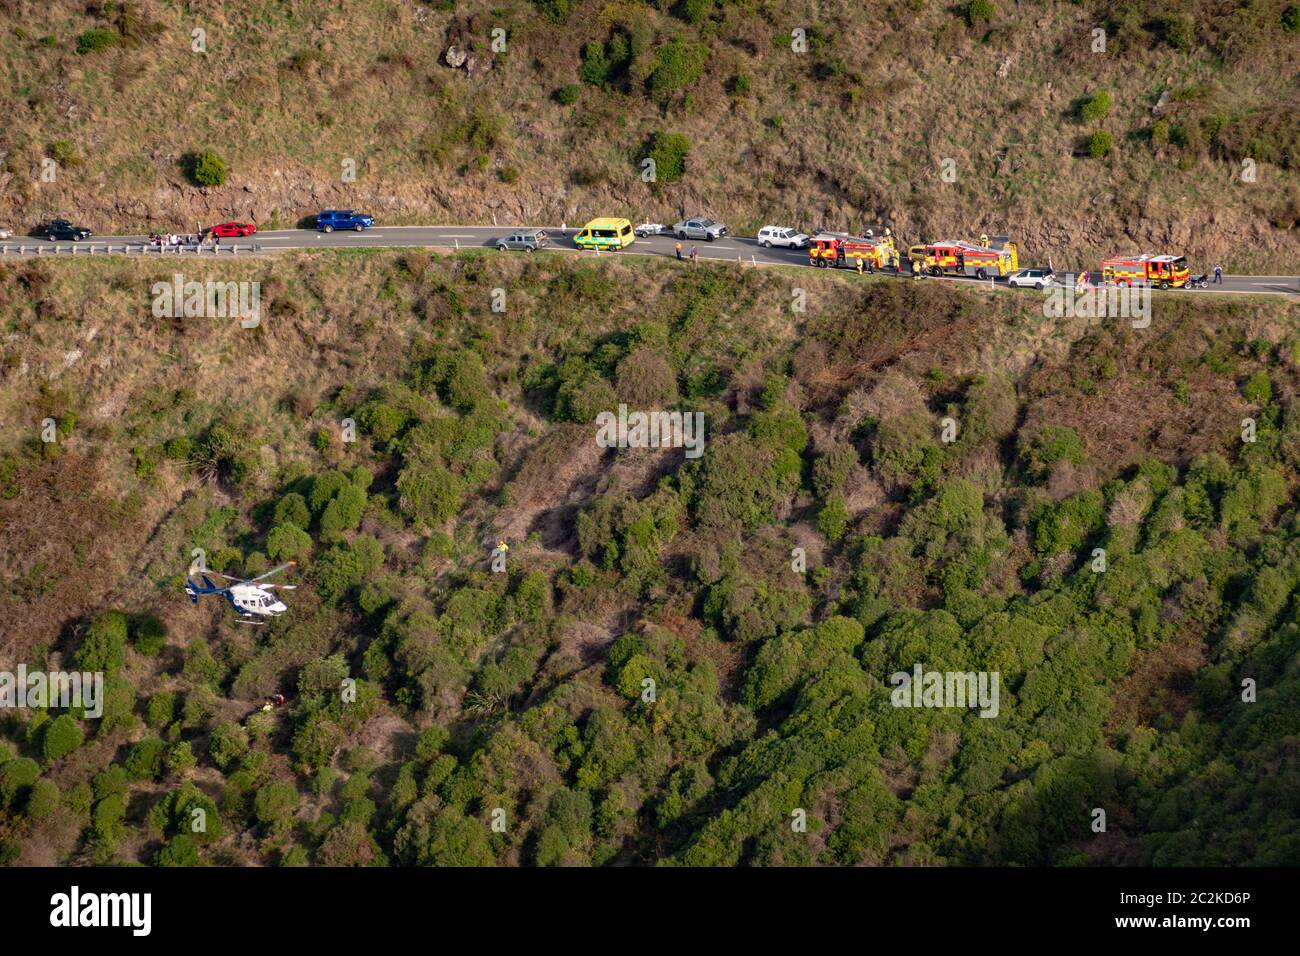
{"x":62,"y":229}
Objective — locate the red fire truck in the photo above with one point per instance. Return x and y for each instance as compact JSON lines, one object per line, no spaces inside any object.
{"x":837,"y":249}
{"x":998,"y":256}
{"x":1167,"y":272}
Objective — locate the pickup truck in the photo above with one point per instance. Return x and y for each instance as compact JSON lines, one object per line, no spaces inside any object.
{"x":331,"y":219}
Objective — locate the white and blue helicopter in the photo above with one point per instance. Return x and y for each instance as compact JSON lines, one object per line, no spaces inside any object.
{"x":249,"y":598}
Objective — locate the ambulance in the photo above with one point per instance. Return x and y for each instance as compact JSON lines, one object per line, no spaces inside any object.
{"x":605,"y":234}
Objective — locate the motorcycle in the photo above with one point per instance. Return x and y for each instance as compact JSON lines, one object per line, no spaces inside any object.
{"x":1199,"y":282}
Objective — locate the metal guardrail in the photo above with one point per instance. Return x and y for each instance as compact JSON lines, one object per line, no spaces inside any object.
{"x":123,"y":248}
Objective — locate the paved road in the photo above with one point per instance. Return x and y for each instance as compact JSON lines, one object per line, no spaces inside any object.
{"x":730,"y":248}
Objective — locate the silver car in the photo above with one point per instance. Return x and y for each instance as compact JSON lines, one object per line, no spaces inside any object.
{"x":6,"y":233}
{"x":529,"y":240}
{"x":705,"y":229}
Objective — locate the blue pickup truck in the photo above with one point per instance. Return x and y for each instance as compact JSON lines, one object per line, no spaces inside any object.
{"x":331,"y":219}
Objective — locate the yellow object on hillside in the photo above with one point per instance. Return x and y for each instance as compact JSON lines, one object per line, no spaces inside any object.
{"x":605,"y":233}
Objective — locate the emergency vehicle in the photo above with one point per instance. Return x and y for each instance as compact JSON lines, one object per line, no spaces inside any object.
{"x":998,"y":257}
{"x":605,"y":233}
{"x":1167,"y":272}
{"x":835,"y":249}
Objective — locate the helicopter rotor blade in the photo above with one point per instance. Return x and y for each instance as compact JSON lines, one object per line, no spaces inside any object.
{"x":267,"y":574}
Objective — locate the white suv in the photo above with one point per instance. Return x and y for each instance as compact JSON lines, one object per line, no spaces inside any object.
{"x":1034,"y":278}
{"x":770,"y":236}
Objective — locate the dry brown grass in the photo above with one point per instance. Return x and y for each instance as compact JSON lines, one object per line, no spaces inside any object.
{"x":287,"y":92}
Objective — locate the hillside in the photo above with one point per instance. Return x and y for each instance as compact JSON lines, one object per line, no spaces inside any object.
{"x":858,"y":127}
{"x":521,"y":695}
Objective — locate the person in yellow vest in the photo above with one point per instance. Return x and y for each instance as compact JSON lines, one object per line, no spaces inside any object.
{"x":859,"y":265}
{"x":984,"y":239}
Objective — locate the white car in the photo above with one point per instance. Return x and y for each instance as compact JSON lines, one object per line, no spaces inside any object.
{"x":6,"y":233}
{"x":650,"y":229}
{"x":784,"y":236}
{"x":1031,"y":279}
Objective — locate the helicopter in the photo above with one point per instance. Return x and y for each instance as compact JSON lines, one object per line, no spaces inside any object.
{"x":249,"y":599}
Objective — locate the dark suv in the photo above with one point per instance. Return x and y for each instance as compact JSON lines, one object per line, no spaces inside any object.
{"x":62,"y":229}
{"x":331,"y":219}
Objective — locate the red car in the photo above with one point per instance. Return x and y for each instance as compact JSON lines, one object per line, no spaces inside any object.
{"x":228,"y":230}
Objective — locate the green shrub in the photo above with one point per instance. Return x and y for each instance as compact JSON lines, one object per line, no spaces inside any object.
{"x":228,"y":744}
{"x":15,"y":777}
{"x":104,"y":648}
{"x":145,"y":759}
{"x":583,"y":393}
{"x":678,"y":64}
{"x":1258,"y":389}
{"x":430,"y":493}
{"x":1050,"y":444}
{"x":43,"y":801}
{"x":94,"y":40}
{"x":208,"y":169}
{"x":63,"y":153}
{"x":274,"y":804}
{"x":62,"y":736}
{"x":342,"y":513}
{"x":289,"y":542}
{"x":595,"y":67}
{"x":1063,"y":527}
{"x":1291,"y":18}
{"x":1100,"y":143}
{"x":381,"y":422}
{"x":668,"y":150}
{"x":557,"y":11}
{"x":1095,"y":107}
{"x":181,"y":851}
{"x":568,"y":94}
{"x":148,"y":635}
{"x":833,"y":518}
{"x":292,"y":509}
{"x":738,"y":485}
{"x":979,"y":11}
{"x":161,"y":710}
{"x":1178,"y":30}
{"x":832,"y":469}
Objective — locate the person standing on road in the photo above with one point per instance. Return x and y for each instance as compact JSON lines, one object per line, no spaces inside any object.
{"x":695,"y":254}
{"x":677,"y":247}
{"x":1218,"y":274}
{"x":859,"y":265}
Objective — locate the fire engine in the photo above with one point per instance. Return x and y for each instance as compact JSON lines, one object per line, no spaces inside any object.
{"x":836,"y":249}
{"x":997,"y":256}
{"x":1163,"y":271}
